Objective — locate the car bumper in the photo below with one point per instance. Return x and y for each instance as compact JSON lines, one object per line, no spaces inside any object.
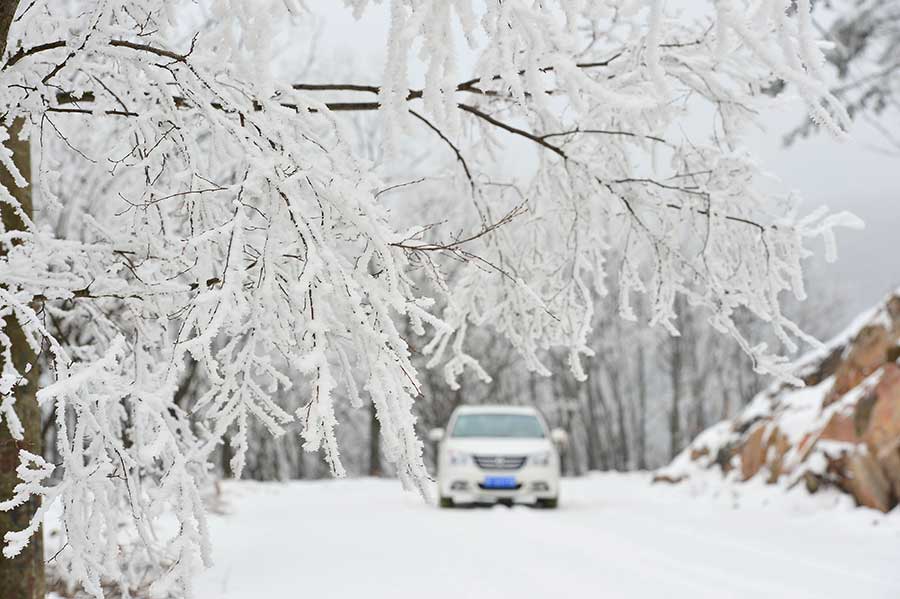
{"x":465,"y":485}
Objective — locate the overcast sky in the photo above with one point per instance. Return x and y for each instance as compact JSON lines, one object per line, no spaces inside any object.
{"x":846,"y":175}
{"x":843,"y":175}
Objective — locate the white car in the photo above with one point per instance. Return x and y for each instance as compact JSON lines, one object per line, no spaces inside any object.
{"x":498,"y":454}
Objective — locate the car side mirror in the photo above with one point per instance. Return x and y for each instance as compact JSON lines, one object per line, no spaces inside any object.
{"x":560,"y":438}
{"x":436,"y":435}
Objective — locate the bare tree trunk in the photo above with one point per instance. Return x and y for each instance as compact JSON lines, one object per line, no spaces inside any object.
{"x":700,"y":373}
{"x":532,"y":388}
{"x":722,"y":378}
{"x":623,"y":456}
{"x":7,"y":13}
{"x":227,"y":455}
{"x":593,"y":441}
{"x":374,"y":442}
{"x":569,"y":461}
{"x":299,"y":471}
{"x":23,"y":576}
{"x":675,"y":376}
{"x":642,"y":411}
{"x":697,"y":419}
{"x":605,"y":419}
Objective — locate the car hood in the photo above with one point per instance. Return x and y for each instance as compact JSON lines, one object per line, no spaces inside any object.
{"x":496,"y":446}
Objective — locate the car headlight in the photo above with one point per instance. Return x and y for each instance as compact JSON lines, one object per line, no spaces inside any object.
{"x":458,"y":458}
{"x":540,"y":459}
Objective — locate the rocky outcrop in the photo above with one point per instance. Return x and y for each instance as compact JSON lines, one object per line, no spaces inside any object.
{"x":842,"y":429}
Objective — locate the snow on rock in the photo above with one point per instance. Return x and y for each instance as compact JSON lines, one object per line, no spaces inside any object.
{"x":841,"y":430}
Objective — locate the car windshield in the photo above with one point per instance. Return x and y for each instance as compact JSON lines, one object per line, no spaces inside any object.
{"x":498,"y":425}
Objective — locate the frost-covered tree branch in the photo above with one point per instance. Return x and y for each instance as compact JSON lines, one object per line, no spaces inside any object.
{"x":200,"y":214}
{"x":864,"y":56}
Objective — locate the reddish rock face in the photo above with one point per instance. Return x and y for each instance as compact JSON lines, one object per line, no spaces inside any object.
{"x":840,"y":427}
{"x":892,"y":306}
{"x":856,"y":450}
{"x":869,"y":483}
{"x":867,"y":354}
{"x":753,"y":452}
{"x":889,"y":460}
{"x":696,"y":454}
{"x":883,"y":423}
{"x":778,"y":446}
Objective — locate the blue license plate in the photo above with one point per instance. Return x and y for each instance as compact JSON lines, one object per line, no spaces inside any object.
{"x":500,"y":482}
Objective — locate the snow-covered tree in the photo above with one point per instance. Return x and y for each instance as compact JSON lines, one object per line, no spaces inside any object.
{"x":864,"y":56}
{"x":196,"y":213}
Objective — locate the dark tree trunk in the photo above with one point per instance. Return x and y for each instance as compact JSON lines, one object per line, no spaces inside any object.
{"x":605,"y":419}
{"x":227,"y":455}
{"x":623,"y":456}
{"x":23,"y":576}
{"x":7,"y":13}
{"x":591,"y":435}
{"x":675,"y":374}
{"x":374,"y":442}
{"x":642,"y":411}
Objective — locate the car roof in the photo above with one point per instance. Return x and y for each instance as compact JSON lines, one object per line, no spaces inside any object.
{"x":495,"y":409}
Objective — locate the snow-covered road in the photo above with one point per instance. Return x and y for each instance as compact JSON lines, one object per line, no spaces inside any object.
{"x":614,"y":536}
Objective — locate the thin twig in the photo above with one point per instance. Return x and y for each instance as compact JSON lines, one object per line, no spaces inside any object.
{"x":453,"y":146}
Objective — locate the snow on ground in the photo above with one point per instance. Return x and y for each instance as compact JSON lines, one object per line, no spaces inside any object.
{"x":614,"y":535}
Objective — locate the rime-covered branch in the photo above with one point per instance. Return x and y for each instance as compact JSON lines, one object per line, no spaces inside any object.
{"x":200,"y":214}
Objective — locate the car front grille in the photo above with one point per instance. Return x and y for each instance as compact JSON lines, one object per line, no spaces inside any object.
{"x":500,"y":462}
